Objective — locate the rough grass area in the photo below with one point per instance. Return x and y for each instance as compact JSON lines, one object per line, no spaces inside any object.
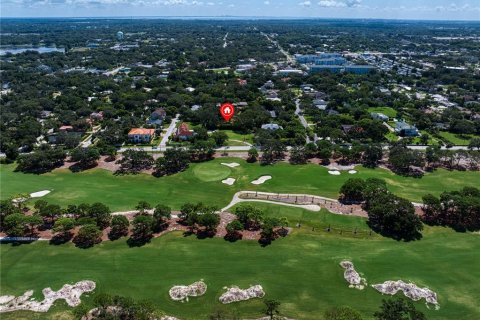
{"x":124,"y":192}
{"x":300,"y":270}
{"x":389,"y":112}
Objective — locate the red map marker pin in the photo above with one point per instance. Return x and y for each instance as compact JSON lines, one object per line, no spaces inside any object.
{"x":227,"y":111}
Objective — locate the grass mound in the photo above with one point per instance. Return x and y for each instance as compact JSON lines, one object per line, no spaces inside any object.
{"x":211,"y":171}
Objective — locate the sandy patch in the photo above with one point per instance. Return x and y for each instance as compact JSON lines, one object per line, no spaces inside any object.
{"x":231,"y":164}
{"x":352,"y":276}
{"x":39,"y":194}
{"x":235,"y":294}
{"x":410,"y":290}
{"x":181,"y":293}
{"x":352,"y":171}
{"x":334,"y":172}
{"x":229,"y":181}
{"x":261,"y":180}
{"x":70,"y":293}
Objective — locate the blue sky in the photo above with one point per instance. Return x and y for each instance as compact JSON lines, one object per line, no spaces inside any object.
{"x":398,"y":9}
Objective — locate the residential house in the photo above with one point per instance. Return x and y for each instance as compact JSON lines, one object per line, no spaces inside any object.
{"x":157,"y":117}
{"x":183,"y":132}
{"x":196,"y":107}
{"x":404,"y":129}
{"x":379,"y":116}
{"x":271,"y":126}
{"x":320,"y":104}
{"x":141,"y":135}
{"x":96,"y":116}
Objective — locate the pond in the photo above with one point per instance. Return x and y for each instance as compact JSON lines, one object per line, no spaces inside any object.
{"x":17,"y":50}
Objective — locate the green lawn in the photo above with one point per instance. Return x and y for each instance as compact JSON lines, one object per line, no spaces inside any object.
{"x":457,"y":139}
{"x":124,"y":192}
{"x":392,"y":113}
{"x":240,"y":138}
{"x":300,"y":270}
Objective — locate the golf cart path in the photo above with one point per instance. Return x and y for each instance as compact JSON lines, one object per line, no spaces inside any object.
{"x":311,"y":207}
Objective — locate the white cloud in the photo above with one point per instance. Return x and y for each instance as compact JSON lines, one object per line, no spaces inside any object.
{"x":305,"y":3}
{"x":266,"y":2}
{"x":339,"y":3}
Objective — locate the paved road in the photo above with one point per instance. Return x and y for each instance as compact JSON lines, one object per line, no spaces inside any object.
{"x":170,"y":131}
{"x":289,"y":57}
{"x":304,"y":122}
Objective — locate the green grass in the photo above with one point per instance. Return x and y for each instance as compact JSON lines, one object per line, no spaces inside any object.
{"x":457,"y":139}
{"x":300,"y":270}
{"x":211,"y":171}
{"x":392,"y":113}
{"x":241,"y":138}
{"x":124,"y":192}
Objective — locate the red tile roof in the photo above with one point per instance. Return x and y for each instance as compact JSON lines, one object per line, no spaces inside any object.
{"x":141,"y":131}
{"x":183,"y":130}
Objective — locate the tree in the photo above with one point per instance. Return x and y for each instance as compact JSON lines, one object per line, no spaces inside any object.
{"x":352,"y":190}
{"x":398,"y":309}
{"x":325,"y":149}
{"x":342,"y":313}
{"x":7,"y":208}
{"x":250,"y":216}
{"x":49,"y":212}
{"x":14,"y":225}
{"x":298,"y":155}
{"x":88,"y":235}
{"x":393,"y":216}
{"x":372,"y":154}
{"x":233,"y":229}
{"x":142,"y":230}
{"x":220,"y":137}
{"x":474,"y":144}
{"x":271,"y":308}
{"x":173,"y":161}
{"x":85,"y":157}
{"x":161,"y":214}
{"x":42,"y":160}
{"x":252,"y":155}
{"x":101,"y":214}
{"x":118,"y":227}
{"x":134,"y":161}
{"x":64,"y":226}
{"x":143,"y":207}
{"x":209,"y":221}
{"x":402,"y":159}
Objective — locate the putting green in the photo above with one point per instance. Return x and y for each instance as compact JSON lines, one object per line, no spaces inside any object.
{"x":211,"y":171}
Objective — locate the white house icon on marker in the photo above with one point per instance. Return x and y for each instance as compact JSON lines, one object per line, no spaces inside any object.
{"x":227,"y":110}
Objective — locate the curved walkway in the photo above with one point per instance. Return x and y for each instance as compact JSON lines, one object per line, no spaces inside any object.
{"x":304,"y":201}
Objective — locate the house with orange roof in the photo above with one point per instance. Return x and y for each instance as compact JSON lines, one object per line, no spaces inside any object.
{"x":183,"y":132}
{"x":141,"y":135}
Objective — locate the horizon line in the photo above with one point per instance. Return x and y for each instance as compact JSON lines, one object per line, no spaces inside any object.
{"x":246,"y":17}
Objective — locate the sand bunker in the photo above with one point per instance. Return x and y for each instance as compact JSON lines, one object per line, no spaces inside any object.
{"x":229,"y":181}
{"x":352,"y":171}
{"x":352,"y":276}
{"x":261,"y":180}
{"x":231,"y":164}
{"x":410,"y":290}
{"x":180,"y":293}
{"x":334,"y":172}
{"x":235,"y":294}
{"x":39,"y":194}
{"x":70,"y":293}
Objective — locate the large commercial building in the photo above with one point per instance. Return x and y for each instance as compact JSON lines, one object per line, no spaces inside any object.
{"x":332,"y":62}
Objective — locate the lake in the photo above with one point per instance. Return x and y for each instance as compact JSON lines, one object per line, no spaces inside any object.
{"x":17,"y":50}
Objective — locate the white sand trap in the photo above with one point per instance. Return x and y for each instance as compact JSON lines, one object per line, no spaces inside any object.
{"x":39,"y":194}
{"x":180,"y":293}
{"x":261,"y":180}
{"x":410,"y":290}
{"x":229,"y":181}
{"x":352,"y":276}
{"x":352,"y":171}
{"x":70,"y":293}
{"x":235,"y":294}
{"x":231,"y":164}
{"x":334,"y":172}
